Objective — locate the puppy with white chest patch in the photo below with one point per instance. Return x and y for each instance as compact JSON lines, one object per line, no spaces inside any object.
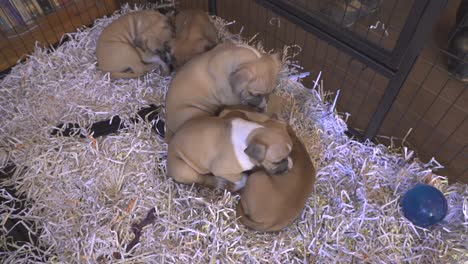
{"x":135,"y":44}
{"x":271,"y":201}
{"x":229,"y":74}
{"x":194,"y":34}
{"x":216,"y":151}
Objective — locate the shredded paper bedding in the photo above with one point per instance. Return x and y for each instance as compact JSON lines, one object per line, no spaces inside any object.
{"x":83,"y":196}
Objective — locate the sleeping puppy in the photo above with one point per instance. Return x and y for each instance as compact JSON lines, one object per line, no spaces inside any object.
{"x":270,"y":202}
{"x":216,"y":151}
{"x":194,"y":34}
{"x":229,"y":74}
{"x":135,"y":44}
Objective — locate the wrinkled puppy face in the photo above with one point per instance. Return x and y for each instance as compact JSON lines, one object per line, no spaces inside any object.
{"x":254,"y":81}
{"x":270,"y":147}
{"x":155,"y":36}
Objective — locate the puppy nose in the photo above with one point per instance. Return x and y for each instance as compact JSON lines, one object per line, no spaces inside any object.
{"x":255,"y":101}
{"x":282,"y":166}
{"x":263,"y":103}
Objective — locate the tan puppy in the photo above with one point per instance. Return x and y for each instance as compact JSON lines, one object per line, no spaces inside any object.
{"x":134,"y":44}
{"x":214,"y":151}
{"x":194,"y":34}
{"x":229,"y":74}
{"x":270,"y":202}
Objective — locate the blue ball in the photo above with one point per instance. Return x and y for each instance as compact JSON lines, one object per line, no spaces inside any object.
{"x":424,"y":205}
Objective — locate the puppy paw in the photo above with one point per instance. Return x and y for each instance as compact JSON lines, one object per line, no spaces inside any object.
{"x":222,"y":183}
{"x":239,"y":184}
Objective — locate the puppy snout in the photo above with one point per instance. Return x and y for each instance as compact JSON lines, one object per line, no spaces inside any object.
{"x":283,"y":166}
{"x":262,"y":106}
{"x":255,"y":101}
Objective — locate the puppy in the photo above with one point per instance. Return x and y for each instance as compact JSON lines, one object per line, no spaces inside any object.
{"x":229,"y":74}
{"x":134,"y":44}
{"x":217,"y":151}
{"x":270,"y":202}
{"x":194,"y":34}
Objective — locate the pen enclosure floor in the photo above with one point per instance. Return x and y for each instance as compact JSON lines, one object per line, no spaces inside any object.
{"x":80,"y":197}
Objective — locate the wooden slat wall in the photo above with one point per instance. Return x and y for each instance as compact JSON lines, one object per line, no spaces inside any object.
{"x":49,"y":29}
{"x":194,"y":4}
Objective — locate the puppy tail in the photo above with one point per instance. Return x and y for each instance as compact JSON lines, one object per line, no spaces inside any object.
{"x":124,"y":75}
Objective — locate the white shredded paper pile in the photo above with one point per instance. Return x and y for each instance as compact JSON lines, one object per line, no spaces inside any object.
{"x":83,"y":195}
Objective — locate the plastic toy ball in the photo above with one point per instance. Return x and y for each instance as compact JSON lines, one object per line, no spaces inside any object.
{"x":424,"y":205}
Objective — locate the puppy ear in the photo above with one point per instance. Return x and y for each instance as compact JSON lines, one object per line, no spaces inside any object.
{"x":256,"y":151}
{"x":277,"y":59}
{"x":239,"y":78}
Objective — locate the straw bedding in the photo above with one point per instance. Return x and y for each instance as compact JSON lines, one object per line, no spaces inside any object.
{"x":84,"y":195}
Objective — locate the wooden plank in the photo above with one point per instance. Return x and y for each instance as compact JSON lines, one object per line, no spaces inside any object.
{"x":47,"y":30}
